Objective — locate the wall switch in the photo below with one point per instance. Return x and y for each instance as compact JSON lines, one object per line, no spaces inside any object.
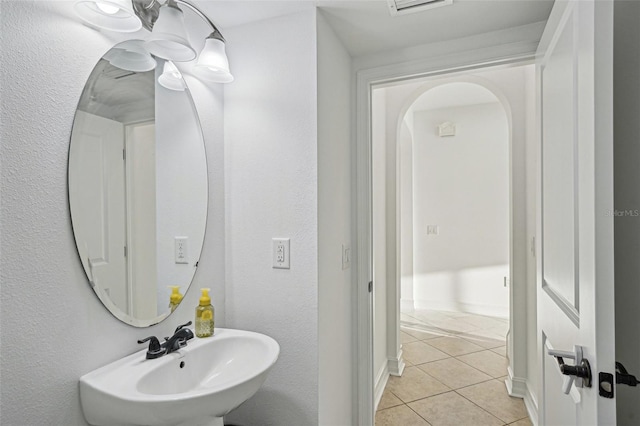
{"x":182,"y":249}
{"x":433,"y":230}
{"x":346,"y":256}
{"x":281,"y":253}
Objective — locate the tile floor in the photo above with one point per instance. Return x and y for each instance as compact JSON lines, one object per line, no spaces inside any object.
{"x":456,"y":367}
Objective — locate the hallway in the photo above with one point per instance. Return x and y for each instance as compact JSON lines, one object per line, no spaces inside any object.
{"x":456,"y":367}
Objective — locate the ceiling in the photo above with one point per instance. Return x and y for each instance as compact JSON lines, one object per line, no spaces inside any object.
{"x":367,"y":27}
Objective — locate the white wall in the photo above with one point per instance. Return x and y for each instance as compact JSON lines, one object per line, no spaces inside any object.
{"x":461,"y":185}
{"x":406,"y":215}
{"x":627,"y":198}
{"x":181,"y":181}
{"x":54,"y":329}
{"x":335,"y":337}
{"x":271,"y":166}
{"x":379,"y":237}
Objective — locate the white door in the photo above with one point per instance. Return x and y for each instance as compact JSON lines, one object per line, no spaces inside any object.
{"x":575,"y":228}
{"x":99,"y":228}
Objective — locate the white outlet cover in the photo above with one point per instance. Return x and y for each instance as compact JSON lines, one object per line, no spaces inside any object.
{"x":281,"y":253}
{"x":182,"y":250}
{"x":346,"y":256}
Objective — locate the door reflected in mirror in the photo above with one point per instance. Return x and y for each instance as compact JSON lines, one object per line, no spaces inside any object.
{"x":138,"y":190}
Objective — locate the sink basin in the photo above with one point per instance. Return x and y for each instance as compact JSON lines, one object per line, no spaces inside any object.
{"x":196,"y":385}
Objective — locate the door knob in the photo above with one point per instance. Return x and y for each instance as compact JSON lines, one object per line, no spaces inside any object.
{"x":581,"y":369}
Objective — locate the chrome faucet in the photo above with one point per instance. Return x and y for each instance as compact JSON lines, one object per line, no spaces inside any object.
{"x":170,"y":344}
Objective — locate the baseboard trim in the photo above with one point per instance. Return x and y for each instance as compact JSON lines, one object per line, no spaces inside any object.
{"x":407,"y":305}
{"x":487,"y":310}
{"x":531,"y":403}
{"x":516,"y":386}
{"x":520,"y":388}
{"x":395,"y":366}
{"x":381,"y":382}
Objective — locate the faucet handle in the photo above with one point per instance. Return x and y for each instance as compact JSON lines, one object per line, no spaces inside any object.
{"x":155,"y":349}
{"x":180,"y":327}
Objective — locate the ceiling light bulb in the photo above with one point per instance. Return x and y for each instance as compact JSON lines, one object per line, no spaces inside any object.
{"x":107,"y":8}
{"x":113,"y":15}
{"x":168,"y":39}
{"x":213,"y":64}
{"x":171,"y":77}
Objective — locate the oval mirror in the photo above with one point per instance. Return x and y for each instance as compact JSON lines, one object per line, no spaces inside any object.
{"x":137,"y":184}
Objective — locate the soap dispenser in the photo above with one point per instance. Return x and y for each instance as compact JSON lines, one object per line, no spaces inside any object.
{"x":175,"y":298}
{"x":204,"y":315}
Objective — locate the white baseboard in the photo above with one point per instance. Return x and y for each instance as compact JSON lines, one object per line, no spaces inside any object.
{"x":518,"y":387}
{"x":531,"y":403}
{"x":395,"y":366}
{"x":452,"y":306}
{"x":381,"y":382}
{"x":407,"y":305}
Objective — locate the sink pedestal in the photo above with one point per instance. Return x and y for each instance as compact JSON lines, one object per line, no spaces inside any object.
{"x":204,"y":421}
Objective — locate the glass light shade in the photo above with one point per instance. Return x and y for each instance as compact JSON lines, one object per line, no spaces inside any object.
{"x":168,"y":39}
{"x":131,"y":56}
{"x":113,"y":15}
{"x":213,"y":64}
{"x":171,"y":77}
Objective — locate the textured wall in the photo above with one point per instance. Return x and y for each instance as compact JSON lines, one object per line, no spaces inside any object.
{"x":54,"y":329}
{"x":272,"y":185}
{"x":334,"y":228}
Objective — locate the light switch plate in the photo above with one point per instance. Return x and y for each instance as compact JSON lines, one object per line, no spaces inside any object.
{"x":346,"y":256}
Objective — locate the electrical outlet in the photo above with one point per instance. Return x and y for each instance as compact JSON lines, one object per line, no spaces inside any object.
{"x":346,"y":256}
{"x":182,"y":249}
{"x":433,"y":230}
{"x":281,"y":253}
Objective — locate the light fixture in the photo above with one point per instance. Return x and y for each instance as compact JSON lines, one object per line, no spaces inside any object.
{"x":169,"y":38}
{"x":114,"y":15}
{"x":171,"y":77}
{"x":131,"y":56}
{"x":213,"y":64}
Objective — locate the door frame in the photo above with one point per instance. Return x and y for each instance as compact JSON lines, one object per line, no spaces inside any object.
{"x":363,"y":374}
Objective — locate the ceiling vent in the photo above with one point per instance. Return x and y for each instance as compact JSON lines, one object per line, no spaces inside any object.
{"x":402,"y":7}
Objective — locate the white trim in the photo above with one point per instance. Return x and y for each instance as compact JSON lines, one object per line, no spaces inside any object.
{"x":381,"y":382}
{"x":509,"y":53}
{"x":531,"y":403}
{"x":516,"y":386}
{"x":407,"y":305}
{"x":396,"y":365}
{"x":472,"y":308}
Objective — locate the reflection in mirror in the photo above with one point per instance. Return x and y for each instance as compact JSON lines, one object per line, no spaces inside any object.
{"x":137,"y":184}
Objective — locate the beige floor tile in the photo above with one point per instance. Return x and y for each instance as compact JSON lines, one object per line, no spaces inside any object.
{"x":486,"y":361}
{"x":500,"y":330}
{"x":407,"y":338}
{"x":431,"y":315}
{"x":451,"y":409}
{"x":454,"y":346}
{"x":523,"y":422}
{"x":483,"y":338}
{"x":421,"y":352}
{"x":492,"y":396}
{"x":483,"y":322}
{"x":421,"y":331}
{"x":501,"y":350}
{"x":401,"y":415}
{"x":454,"y":373}
{"x":415,"y":384}
{"x":454,"y":325}
{"x":388,"y":400}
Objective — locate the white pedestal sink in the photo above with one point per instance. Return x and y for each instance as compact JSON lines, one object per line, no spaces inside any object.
{"x":196,"y":385}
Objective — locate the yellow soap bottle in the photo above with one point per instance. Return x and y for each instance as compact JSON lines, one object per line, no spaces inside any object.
{"x":175,"y":298}
{"x":204,"y":315}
